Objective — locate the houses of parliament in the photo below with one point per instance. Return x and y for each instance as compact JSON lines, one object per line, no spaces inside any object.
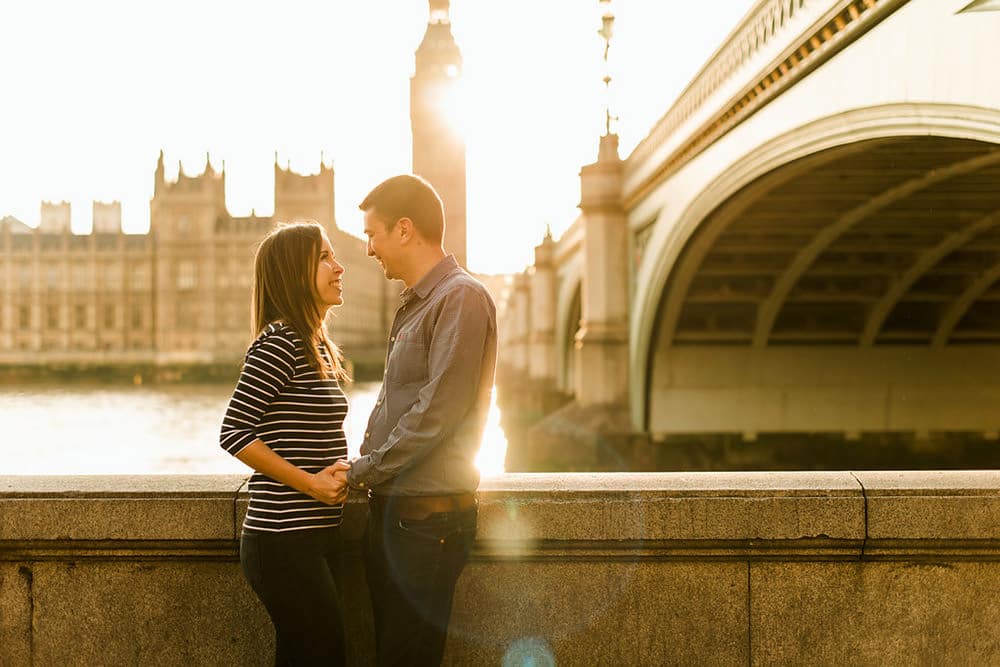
{"x":179,"y":296}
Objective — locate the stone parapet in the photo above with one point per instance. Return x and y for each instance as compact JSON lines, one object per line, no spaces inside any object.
{"x":645,"y":568}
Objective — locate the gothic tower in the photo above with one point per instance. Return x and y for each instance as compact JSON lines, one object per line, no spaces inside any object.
{"x":438,"y":146}
{"x":299,"y":197}
{"x":183,"y":218}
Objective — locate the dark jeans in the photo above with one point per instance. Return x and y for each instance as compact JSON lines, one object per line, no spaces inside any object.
{"x":412,"y":568}
{"x":298,"y":576}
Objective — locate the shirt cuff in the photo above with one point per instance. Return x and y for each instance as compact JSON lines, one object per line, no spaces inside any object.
{"x":356,"y":476}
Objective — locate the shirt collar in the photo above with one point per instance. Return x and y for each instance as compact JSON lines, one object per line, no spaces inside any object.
{"x":427,"y":284}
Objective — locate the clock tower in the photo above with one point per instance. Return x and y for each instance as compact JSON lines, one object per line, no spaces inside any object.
{"x":438,"y":146}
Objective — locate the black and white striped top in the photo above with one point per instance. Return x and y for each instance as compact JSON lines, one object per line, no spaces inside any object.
{"x":281,"y":400}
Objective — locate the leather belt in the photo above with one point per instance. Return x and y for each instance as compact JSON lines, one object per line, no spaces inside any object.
{"x":421,"y":507}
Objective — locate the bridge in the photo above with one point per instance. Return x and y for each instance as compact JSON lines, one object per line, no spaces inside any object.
{"x":808,"y":241}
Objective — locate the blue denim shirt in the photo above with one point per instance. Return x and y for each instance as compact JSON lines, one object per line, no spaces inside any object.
{"x":425,"y":431}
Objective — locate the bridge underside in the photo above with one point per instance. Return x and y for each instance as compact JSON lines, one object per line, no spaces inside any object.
{"x":893,"y":241}
{"x":853,"y":291}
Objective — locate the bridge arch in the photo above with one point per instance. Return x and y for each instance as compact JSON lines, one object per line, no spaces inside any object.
{"x":568,"y":316}
{"x":677,"y":247}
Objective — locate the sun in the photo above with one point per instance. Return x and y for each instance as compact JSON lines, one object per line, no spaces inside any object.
{"x":452,"y":105}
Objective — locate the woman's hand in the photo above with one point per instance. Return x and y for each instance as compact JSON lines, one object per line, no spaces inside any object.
{"x":329,"y":485}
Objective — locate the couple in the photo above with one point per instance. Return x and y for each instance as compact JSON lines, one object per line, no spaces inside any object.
{"x":285,"y":420}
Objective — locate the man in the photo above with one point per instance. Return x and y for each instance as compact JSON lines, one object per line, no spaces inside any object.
{"x":417,"y":457}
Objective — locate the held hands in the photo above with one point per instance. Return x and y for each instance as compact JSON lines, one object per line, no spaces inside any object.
{"x":329,"y":485}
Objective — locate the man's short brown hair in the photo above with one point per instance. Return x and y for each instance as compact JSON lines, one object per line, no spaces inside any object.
{"x":408,"y":196}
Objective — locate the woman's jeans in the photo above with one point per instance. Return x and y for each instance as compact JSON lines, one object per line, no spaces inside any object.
{"x":412,"y":568}
{"x":298,"y":577}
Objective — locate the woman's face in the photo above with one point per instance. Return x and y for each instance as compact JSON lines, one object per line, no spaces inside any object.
{"x":329,"y":272}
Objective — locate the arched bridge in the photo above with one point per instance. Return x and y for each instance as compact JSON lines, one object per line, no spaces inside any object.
{"x":807,"y":241}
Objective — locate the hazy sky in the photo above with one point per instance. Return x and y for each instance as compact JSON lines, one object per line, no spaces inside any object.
{"x":91,"y":91}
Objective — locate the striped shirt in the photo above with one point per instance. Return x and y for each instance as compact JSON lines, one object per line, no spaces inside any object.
{"x":284,"y":402}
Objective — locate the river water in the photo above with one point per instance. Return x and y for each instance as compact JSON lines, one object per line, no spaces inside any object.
{"x":84,"y":429}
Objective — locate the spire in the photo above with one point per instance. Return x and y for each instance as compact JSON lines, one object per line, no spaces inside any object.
{"x":208,"y":164}
{"x":439,"y":12}
{"x":180,"y":169}
{"x":159,"y":179}
{"x":438,"y":55}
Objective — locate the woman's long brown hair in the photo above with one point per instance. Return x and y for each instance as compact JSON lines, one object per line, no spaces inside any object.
{"x":284,"y":289}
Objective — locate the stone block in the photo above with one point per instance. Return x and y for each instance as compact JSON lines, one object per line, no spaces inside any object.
{"x":146,"y":613}
{"x":875,"y":613}
{"x":672,"y":507}
{"x":15,"y":614}
{"x":600,"y":613}
{"x":933,"y":505}
{"x":155,"y":507}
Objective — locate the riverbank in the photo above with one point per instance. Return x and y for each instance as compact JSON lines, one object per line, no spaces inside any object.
{"x":147,"y":373}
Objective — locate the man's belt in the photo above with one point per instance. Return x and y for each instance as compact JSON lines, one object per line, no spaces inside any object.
{"x":421,"y":507}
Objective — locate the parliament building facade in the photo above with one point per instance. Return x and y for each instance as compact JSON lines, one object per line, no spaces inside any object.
{"x":175,"y":297}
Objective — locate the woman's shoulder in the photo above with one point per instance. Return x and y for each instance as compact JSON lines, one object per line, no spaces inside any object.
{"x":277,"y":335}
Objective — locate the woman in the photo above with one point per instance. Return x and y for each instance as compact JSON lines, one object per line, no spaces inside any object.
{"x":285,"y":420}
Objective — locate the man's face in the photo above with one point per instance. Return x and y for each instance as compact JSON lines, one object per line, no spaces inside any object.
{"x":383,"y":245}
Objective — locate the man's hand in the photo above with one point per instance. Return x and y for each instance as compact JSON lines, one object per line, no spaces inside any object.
{"x":329,"y":485}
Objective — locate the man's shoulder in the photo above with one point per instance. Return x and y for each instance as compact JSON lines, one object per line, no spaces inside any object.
{"x":461,"y":281}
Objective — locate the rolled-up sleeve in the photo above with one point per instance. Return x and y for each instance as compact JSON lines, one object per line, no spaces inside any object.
{"x":268,"y":367}
{"x":455,"y":359}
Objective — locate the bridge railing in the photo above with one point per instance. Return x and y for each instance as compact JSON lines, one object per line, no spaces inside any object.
{"x":658,"y":568}
{"x":776,"y":43}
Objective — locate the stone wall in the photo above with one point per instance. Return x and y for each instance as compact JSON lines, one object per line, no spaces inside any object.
{"x":582,"y":569}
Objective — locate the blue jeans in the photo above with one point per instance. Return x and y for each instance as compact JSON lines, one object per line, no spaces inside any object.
{"x":298,"y":577}
{"x":412,"y":567}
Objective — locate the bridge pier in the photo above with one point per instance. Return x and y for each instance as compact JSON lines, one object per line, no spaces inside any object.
{"x":593,"y":432}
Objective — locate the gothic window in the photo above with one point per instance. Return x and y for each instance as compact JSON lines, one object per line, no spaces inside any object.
{"x":110,"y":317}
{"x":24,"y":276}
{"x":52,"y":277}
{"x":24,"y":317}
{"x":112,"y":275}
{"x":80,"y":316}
{"x":52,"y":317}
{"x":82,"y":276}
{"x":139,"y":276}
{"x":187,"y":275}
{"x":136,"y":317}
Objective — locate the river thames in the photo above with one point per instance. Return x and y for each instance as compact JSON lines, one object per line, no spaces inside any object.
{"x":86,"y":429}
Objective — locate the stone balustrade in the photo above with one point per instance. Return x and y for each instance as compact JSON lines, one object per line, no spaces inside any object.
{"x":582,"y":569}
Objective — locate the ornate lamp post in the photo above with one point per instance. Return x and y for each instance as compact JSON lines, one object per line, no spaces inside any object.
{"x":606,"y":32}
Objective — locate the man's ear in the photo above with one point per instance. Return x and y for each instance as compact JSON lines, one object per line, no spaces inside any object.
{"x":404,"y":227}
